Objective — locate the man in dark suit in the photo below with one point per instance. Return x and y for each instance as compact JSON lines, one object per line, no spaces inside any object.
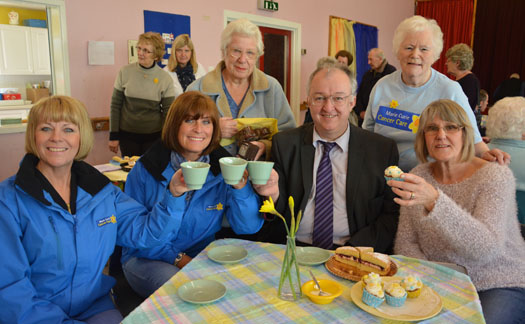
{"x":364,"y":213}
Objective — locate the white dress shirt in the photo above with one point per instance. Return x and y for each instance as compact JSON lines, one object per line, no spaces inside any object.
{"x":339,"y":160}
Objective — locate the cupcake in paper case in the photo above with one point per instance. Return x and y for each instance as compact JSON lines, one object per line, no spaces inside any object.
{"x":393,"y":172}
{"x":372,"y":277}
{"x":395,"y":295}
{"x":373,"y":295}
{"x":412,"y":285}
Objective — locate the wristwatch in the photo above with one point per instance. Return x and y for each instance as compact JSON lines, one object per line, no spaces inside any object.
{"x":178,"y":258}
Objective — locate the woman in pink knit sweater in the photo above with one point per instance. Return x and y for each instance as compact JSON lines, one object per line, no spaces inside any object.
{"x":462,"y":209}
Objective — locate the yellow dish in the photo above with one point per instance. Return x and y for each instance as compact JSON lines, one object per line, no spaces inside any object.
{"x":332,"y":287}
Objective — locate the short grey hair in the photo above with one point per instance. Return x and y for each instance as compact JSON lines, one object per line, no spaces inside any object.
{"x":329,"y":63}
{"x":416,"y":24}
{"x":463,"y":54}
{"x":377,"y":52}
{"x":507,"y":118}
{"x":242,"y":27}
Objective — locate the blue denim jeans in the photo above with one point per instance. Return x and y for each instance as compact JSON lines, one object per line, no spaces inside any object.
{"x":145,"y":276}
{"x":111,"y":316}
{"x":503,"y":305}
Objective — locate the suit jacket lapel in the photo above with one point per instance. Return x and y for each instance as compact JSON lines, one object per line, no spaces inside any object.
{"x":355,"y":163}
{"x":307,"y":163}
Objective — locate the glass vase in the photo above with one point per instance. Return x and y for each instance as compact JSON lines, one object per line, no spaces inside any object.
{"x":290,"y":280}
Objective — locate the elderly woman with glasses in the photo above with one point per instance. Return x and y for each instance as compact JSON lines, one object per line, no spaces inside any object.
{"x":182,"y":64}
{"x":240,"y":89}
{"x":142,"y":95}
{"x":462,"y":209}
{"x":398,"y":99}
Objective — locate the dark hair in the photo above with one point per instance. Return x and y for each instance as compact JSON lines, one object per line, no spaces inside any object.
{"x":190,"y":105}
{"x":346,"y":54}
{"x":483,"y":95}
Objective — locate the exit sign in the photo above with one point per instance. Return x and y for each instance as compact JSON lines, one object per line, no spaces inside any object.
{"x":267,"y":5}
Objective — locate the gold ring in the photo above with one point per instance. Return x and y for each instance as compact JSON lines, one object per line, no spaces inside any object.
{"x":412,"y":196}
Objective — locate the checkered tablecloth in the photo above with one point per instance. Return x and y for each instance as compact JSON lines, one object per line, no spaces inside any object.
{"x":251,"y":295}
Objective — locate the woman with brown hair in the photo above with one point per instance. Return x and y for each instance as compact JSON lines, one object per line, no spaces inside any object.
{"x":191,"y":133}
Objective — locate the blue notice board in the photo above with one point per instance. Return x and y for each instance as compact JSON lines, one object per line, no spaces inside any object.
{"x":167,"y":25}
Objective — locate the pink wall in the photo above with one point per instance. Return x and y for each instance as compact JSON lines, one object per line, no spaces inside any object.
{"x":122,"y":20}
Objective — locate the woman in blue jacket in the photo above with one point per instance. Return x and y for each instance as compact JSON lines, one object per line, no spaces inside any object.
{"x":191,"y":133}
{"x":60,"y":220}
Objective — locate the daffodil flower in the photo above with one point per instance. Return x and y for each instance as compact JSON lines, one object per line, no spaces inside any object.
{"x":394,"y":104}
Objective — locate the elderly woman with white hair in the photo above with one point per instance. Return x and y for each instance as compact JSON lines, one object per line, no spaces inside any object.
{"x":506,"y":129}
{"x":398,"y":99}
{"x":240,"y":89}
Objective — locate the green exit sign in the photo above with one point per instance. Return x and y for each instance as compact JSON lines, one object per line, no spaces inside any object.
{"x":268,"y":5}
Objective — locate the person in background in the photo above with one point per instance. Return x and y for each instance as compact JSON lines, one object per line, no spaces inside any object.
{"x":462,"y":209}
{"x":460,"y":59}
{"x":60,"y":220}
{"x":511,"y":87}
{"x":481,"y":112}
{"x":182,"y":64}
{"x":379,"y":67}
{"x":240,"y":89}
{"x":362,"y":211}
{"x":506,"y":130}
{"x":142,"y":94}
{"x":344,"y":57}
{"x":191,"y":133}
{"x":398,"y":99}
{"x":483,"y":106}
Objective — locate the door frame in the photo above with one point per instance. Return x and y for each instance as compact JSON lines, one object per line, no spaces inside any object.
{"x":295,"y":50}
{"x":58,"y":43}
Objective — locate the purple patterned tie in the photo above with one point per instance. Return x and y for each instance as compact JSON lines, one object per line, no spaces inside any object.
{"x":323,"y":235}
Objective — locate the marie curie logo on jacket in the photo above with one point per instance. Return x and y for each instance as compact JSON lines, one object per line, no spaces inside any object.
{"x":108,"y":220}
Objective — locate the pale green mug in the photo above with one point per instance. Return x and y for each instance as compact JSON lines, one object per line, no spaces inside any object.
{"x":195,"y":174}
{"x":232,"y":169}
{"x":259,"y":171}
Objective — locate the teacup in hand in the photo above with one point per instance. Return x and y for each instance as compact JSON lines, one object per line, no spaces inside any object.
{"x":232,"y":169}
{"x":195,"y":174}
{"x":259,"y":171}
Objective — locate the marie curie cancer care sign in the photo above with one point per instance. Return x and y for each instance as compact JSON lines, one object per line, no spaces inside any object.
{"x":398,"y":118}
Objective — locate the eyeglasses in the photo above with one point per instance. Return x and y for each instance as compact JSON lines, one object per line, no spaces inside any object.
{"x":237,"y":53}
{"x":143,"y":50}
{"x":448,"y":129}
{"x":337,"y":101}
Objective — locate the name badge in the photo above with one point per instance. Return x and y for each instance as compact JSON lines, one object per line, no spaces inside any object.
{"x":107,"y":220}
{"x":398,"y":118}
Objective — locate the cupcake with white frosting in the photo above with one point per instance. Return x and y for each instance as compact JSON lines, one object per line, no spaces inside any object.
{"x":395,"y":295}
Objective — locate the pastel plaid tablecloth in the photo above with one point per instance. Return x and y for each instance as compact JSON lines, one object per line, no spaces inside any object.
{"x":252,"y":284}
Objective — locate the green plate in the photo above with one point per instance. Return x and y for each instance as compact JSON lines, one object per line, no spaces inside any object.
{"x":227,"y":254}
{"x":201,"y":291}
{"x":310,"y":255}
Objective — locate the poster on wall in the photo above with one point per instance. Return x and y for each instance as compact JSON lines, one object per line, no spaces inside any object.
{"x":168,"y":26}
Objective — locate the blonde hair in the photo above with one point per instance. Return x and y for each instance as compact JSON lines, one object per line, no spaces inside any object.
{"x":242,"y":27}
{"x":57,"y":109}
{"x":179,"y":42}
{"x":416,"y":24}
{"x":152,"y":38}
{"x":507,"y":118}
{"x":448,"y":111}
{"x":462,"y":54}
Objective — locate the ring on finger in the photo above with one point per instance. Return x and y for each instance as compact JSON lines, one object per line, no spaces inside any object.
{"x":412,"y":196}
